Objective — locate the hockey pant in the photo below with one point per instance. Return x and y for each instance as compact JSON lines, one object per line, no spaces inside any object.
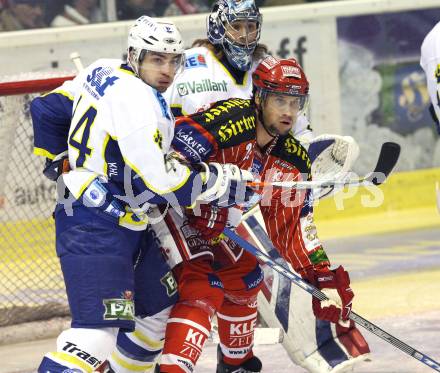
{"x":316,"y":345}
{"x":140,"y":350}
{"x":98,"y":261}
{"x":212,"y":279}
{"x":203,"y":292}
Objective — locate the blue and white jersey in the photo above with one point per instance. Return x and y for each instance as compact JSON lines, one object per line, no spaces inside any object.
{"x":121,"y":131}
{"x":204,"y":81}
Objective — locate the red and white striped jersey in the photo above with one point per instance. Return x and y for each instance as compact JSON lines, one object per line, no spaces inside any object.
{"x":226,"y":133}
{"x":288,"y":213}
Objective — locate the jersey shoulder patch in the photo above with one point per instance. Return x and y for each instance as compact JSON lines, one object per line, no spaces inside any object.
{"x":230,"y":122}
{"x":290,"y":150}
{"x":195,"y":59}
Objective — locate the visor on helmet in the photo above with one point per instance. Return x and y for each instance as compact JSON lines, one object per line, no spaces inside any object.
{"x":156,"y":61}
{"x":300,"y":104}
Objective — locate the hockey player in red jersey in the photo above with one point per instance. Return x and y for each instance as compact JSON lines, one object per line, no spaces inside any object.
{"x":215,"y":276}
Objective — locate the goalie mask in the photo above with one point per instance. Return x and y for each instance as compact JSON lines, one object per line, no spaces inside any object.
{"x":235,"y":25}
{"x":150,"y":35}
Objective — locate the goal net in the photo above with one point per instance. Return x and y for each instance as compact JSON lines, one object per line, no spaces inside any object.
{"x":31,"y":284}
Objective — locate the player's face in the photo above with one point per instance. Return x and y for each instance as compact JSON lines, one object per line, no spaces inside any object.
{"x":242,"y":31}
{"x":280,"y":113}
{"x":159,"y":69}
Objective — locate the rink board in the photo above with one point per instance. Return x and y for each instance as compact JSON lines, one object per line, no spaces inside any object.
{"x":28,"y":247}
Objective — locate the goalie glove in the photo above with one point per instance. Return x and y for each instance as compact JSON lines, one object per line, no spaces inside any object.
{"x":53,"y":168}
{"x":333,"y":158}
{"x":225,"y":185}
{"x":335,"y":284}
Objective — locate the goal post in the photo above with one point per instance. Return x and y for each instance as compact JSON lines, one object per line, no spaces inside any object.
{"x":31,"y":284}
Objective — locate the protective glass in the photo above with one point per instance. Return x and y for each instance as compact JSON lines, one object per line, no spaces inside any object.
{"x":291,"y":102}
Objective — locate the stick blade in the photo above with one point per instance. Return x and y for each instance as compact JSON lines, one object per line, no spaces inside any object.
{"x":388,"y":157}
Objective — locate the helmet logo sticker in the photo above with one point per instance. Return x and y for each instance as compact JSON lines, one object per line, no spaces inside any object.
{"x":270,"y":62}
{"x":291,"y":72}
{"x":293,"y":89}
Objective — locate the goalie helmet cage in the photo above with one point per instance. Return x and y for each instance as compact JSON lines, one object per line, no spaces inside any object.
{"x":31,"y":283}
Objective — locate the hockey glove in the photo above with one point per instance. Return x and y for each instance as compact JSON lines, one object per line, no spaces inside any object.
{"x":225,"y":185}
{"x":53,"y":168}
{"x":209,"y":220}
{"x":335,"y":284}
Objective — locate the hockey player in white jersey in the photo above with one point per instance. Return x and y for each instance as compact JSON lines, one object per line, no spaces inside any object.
{"x":430,"y":62}
{"x":118,"y":150}
{"x":221,"y":66}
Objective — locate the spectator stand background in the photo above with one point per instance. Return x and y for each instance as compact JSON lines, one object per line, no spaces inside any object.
{"x":29,"y":14}
{"x":21,"y":15}
{"x":78,"y":12}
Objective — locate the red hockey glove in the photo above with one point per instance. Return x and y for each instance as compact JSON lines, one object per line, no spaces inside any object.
{"x":209,"y":220}
{"x":335,"y":284}
{"x":352,"y":339}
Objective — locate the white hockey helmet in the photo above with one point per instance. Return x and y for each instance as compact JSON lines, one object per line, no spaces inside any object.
{"x":148,"y":34}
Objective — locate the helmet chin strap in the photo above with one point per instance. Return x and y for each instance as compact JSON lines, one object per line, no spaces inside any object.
{"x":134,"y":60}
{"x":261,"y":119}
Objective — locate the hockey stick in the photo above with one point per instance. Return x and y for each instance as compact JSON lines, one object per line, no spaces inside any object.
{"x":76,"y":59}
{"x":388,"y":156}
{"x":297,"y":280}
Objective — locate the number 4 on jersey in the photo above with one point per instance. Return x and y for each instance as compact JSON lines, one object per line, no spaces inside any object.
{"x":80,"y":135}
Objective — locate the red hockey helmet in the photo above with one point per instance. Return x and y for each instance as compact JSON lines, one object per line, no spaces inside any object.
{"x":283,"y":76}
